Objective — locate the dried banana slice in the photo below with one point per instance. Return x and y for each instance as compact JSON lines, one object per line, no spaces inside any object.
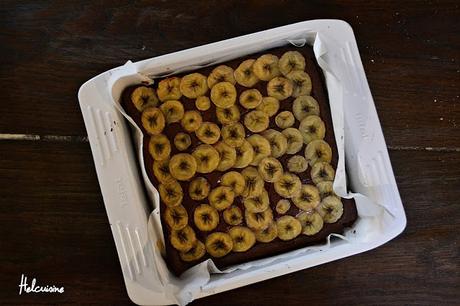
{"x":244,"y":155}
{"x":284,"y":120}
{"x":176,"y":217}
{"x":223,"y":94}
{"x":207,"y":158}
{"x":193,"y":85}
{"x":308,"y":198}
{"x":233,"y":215}
{"x":288,"y":185}
{"x":184,"y":239}
{"x":270,"y":169}
{"x":288,"y":228}
{"x":159,"y":147}
{"x":227,"y":156}
{"x":278,"y":142}
{"x":182,"y":166}
{"x":325,"y":189}
{"x":304,"y":106}
{"x":254,"y":183}
{"x":191,"y":121}
{"x":280,"y":88}
{"x":143,"y":97}
{"x":202,"y":103}
{"x":195,"y":253}
{"x":294,"y":140}
{"x":221,"y":197}
{"x":318,"y":151}
{"x":322,"y":171}
{"x":153,"y":120}
{"x":330,"y":209}
{"x":182,"y":141}
{"x":257,"y":203}
{"x":233,"y":134}
{"x":283,"y":206}
{"x":269,"y":105}
{"x":256,"y":121}
{"x":266,"y":67}
{"x":311,"y":222}
{"x":233,"y":180}
{"x":208,"y":132}
{"x":199,"y":188}
{"x":228,"y":115}
{"x":268,"y":234}
{"x":312,"y":128}
{"x":220,"y":74}
{"x":161,"y":171}
{"x":297,"y":164}
{"x":171,"y":193}
{"x":168,"y":89}
{"x":258,"y":220}
{"x":250,"y":98}
{"x":244,"y":74}
{"x":243,"y":238}
{"x":301,"y":83}
{"x":291,"y":61}
{"x":261,"y":148}
{"x":219,"y":244}
{"x":206,"y":217}
{"x":173,"y":111}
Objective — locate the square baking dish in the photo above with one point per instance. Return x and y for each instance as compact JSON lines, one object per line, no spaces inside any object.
{"x":120,"y":177}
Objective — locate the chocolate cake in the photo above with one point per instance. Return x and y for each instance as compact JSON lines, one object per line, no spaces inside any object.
{"x":243,"y":155}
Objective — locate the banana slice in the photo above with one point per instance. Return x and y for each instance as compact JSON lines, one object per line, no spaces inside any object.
{"x":278,"y":142}
{"x":202,"y":103}
{"x":330,"y":209}
{"x":227,"y":156}
{"x":288,"y":228}
{"x":322,"y":171}
{"x":304,"y":106}
{"x":297,"y":164}
{"x":159,"y":147}
{"x":269,"y":105}
{"x":171,"y":193}
{"x":176,"y":217}
{"x":257,"y":203}
{"x":195,"y":253}
{"x":308,"y":198}
{"x":256,"y":121}
{"x":168,"y":89}
{"x":291,"y":61}
{"x":294,"y":140}
{"x":208,"y":132}
{"x":325,"y":189}
{"x":199,"y":188}
{"x":153,"y":120}
{"x":254,"y":183}
{"x":270,"y":169}
{"x":191,"y":121}
{"x":182,"y":166}
{"x":207,"y":158}
{"x":221,"y":197}
{"x":243,"y":238}
{"x":312,"y":128}
{"x":182,"y":141}
{"x":311,"y":222}
{"x":220,"y":74}
{"x":258,"y":220}
{"x":261,"y":148}
{"x":266,"y":67}
{"x":244,"y":74}
{"x":193,"y":85}
{"x":250,"y":98}
{"x":161,"y":171}
{"x":143,"y":97}
{"x":301,"y":83}
{"x":223,"y":94}
{"x":244,"y":155}
{"x":184,"y":239}
{"x":233,"y":180}
{"x":285,"y":119}
{"x":268,"y":234}
{"x":279,"y":88}
{"x":228,"y":115}
{"x":206,"y":217}
{"x":318,"y":151}
{"x":288,"y":185}
{"x":219,"y":244}
{"x":233,"y":134}
{"x":233,"y":215}
{"x":283,"y":206}
{"x":173,"y":111}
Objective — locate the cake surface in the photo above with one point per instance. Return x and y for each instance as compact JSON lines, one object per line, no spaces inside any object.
{"x":223,"y":220}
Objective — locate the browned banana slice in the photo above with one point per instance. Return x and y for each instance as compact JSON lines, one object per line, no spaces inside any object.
{"x":223,"y":94}
{"x":330,"y":209}
{"x":219,"y":244}
{"x":220,"y":74}
{"x":199,"y":188}
{"x":322,"y":171}
{"x":184,"y":239}
{"x":233,"y":180}
{"x":221,"y":197}
{"x":193,"y":85}
{"x":266,"y":67}
{"x":228,"y":115}
{"x":233,"y":134}
{"x":256,"y":121}
{"x":182,"y":166}
{"x":195,"y":253}
{"x":153,"y":120}
{"x":208,"y":132}
{"x":182,"y":141}
{"x":191,"y":121}
{"x":243,"y":238}
{"x":171,"y":193}
{"x":244,"y":155}
{"x":257,"y":203}
{"x":244,"y":75}
{"x":206,"y":217}
{"x":291,"y":61}
{"x":143,"y":97}
{"x":168,"y":89}
{"x":301,"y":83}
{"x":233,"y":215}
{"x":270,"y":169}
{"x":288,"y":185}
{"x":250,"y":98}
{"x":279,"y":88}
{"x":227,"y":156}
{"x":159,"y":147}
{"x":176,"y":217}
{"x":269,"y":105}
{"x":258,"y":220}
{"x":288,"y":228}
{"x":268,"y":234}
{"x":308,"y":198}
{"x":207,"y":158}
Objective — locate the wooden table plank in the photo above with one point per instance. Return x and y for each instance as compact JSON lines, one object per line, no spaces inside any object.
{"x":54,"y":227}
{"x":410,"y":54}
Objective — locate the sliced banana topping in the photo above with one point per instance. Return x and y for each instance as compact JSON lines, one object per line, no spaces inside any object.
{"x":227,"y":156}
{"x":184,"y":239}
{"x":258,"y":220}
{"x":173,"y":111}
{"x":221,"y":197}
{"x":206,"y":217}
{"x":161,"y":171}
{"x":330,"y":209}
{"x":199,"y":188}
{"x":311,"y":222}
{"x":176,"y":217}
{"x":268,"y":234}
{"x":261,"y":148}
{"x":325,"y":189}
{"x":250,"y":98}
{"x":182,"y":166}
{"x":312,"y":128}
{"x":193,"y":85}
{"x":308,"y":198}
{"x":254,"y":183}
{"x":269,"y":105}
{"x":233,"y":215}
{"x":288,"y":228}
{"x":202,"y":103}
{"x":294,"y":140}
{"x":143,"y":97}
{"x":182,"y":141}
{"x":228,"y":115}
{"x":257,"y":203}
{"x":270,"y":169}
{"x":244,"y":155}
{"x":195,"y":253}
{"x":279,"y":88}
{"x":207,"y":158}
{"x":243,"y":238}
{"x":266,"y":67}
{"x":256,"y":121}
{"x":168,"y":89}
{"x":288,"y":185}
{"x":284,"y":120}
{"x":301,"y":83}
{"x":297,"y":164}
{"x":233,"y":134}
{"x":233,"y":180}
{"x":291,"y":61}
{"x":318,"y":151}
{"x":219,"y":244}
{"x":159,"y":147}
{"x":278,"y":142}
{"x":153,"y":120}
{"x":244,"y":74}
{"x":322,"y":171}
{"x":223,"y":94}
{"x":283,"y":206}
{"x":208,"y":132}
{"x":304,"y":106}
{"x":220,"y":74}
{"x":191,"y":121}
{"x":171,"y":193}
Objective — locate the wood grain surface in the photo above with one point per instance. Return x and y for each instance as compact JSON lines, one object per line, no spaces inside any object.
{"x":53,"y":224}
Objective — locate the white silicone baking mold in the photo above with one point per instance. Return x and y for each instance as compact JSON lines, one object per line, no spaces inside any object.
{"x":367,"y":162}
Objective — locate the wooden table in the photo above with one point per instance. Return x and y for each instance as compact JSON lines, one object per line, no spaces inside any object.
{"x":53,"y":224}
